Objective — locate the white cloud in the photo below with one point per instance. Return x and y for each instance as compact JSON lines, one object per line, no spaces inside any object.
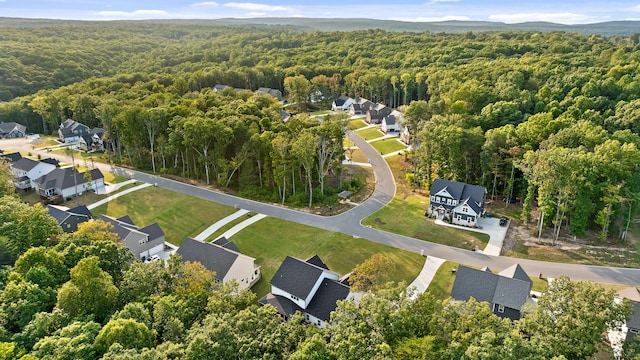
{"x":257,"y":7}
{"x":257,"y":14}
{"x":562,"y":18}
{"x":136,"y":13}
{"x":635,"y":8}
{"x":205,"y":4}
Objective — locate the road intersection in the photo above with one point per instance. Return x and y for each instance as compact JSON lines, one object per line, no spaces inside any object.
{"x":349,"y":222}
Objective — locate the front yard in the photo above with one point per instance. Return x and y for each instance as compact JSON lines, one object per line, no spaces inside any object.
{"x":388,"y":145}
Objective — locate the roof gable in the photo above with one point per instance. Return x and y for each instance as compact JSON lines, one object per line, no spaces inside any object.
{"x":315,"y":260}
{"x":212,"y":256}
{"x":325,"y":299}
{"x":297,"y":277}
{"x":516,"y":271}
{"x":25,"y":164}
{"x":459,"y":190}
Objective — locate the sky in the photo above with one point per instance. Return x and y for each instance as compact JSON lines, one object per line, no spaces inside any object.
{"x":508,"y":11}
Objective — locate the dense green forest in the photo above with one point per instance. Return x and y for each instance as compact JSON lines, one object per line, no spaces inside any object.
{"x":82,"y":296}
{"x":503,"y":109}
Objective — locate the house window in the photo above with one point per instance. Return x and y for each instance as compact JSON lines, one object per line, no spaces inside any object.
{"x":141,"y":242}
{"x":501,"y":309}
{"x":319,"y":322}
{"x":307,"y":317}
{"x":295,"y":297}
{"x":635,"y":331}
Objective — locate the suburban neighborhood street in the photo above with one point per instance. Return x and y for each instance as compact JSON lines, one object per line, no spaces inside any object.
{"x":349,"y":222}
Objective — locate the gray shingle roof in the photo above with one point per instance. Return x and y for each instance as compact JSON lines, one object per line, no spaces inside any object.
{"x":154,"y":231}
{"x":516,"y":271}
{"x":459,"y":190}
{"x":61,"y":179}
{"x":25,"y":164}
{"x":634,"y":320}
{"x":315,"y":260}
{"x":214,"y":257}
{"x":7,"y":127}
{"x":284,"y":306}
{"x":324,"y":300}
{"x":483,"y":285}
{"x":296,"y":277}
{"x":13,"y":157}
{"x":118,"y":227}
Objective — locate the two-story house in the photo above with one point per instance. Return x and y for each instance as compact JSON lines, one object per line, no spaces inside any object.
{"x":462,"y":203}
{"x":306,"y":286}
{"x":377,"y":113}
{"x":92,"y":141}
{"x":360,"y":106}
{"x":224,"y":258}
{"x":10,"y":130}
{"x":67,"y":183}
{"x":342,"y":103}
{"x":70,"y":131}
{"x":142,"y":242}
{"x":506,"y":292}
{"x":69,"y":219}
{"x":26,"y":171}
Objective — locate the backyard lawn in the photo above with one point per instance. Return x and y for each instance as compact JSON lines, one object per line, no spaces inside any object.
{"x":370,"y":133}
{"x":270,"y":240}
{"x":177,"y":214}
{"x":388,"y":146}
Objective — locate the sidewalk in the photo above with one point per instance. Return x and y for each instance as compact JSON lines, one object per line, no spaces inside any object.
{"x":421,"y":283}
{"x":219,"y":224}
{"x":115,"y":196}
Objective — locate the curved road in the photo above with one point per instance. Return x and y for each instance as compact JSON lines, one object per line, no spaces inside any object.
{"x":349,"y":222}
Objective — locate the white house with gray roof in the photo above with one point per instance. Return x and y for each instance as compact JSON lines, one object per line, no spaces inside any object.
{"x":224,"y":258}
{"x":26,"y":171}
{"x":71,"y":131}
{"x":306,"y":286}
{"x":462,"y":203}
{"x":9,"y":130}
{"x":506,"y":292}
{"x":142,"y":242}
{"x":67,"y":183}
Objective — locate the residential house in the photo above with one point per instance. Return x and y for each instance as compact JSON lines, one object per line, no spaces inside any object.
{"x":273,"y":92}
{"x":285,"y":115}
{"x":26,"y":171}
{"x":462,"y":203}
{"x":506,"y":292}
{"x":342,"y":103}
{"x":219,"y":87}
{"x":405,"y":135}
{"x":224,"y":258}
{"x":69,"y":219}
{"x":632,"y":326}
{"x":92,"y":141}
{"x":143,"y":243}
{"x":11,"y":157}
{"x":12,"y":130}
{"x":66,"y":183}
{"x":306,"y":286}
{"x":391,"y":122}
{"x":71,"y":131}
{"x":360,"y":106}
{"x":376,"y":113}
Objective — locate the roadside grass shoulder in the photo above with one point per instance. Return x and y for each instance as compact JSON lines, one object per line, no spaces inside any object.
{"x":177,"y":214}
{"x":270,"y":240}
{"x":356,"y":124}
{"x":442,"y":283}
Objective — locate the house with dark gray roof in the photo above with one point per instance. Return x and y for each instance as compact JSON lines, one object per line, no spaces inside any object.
{"x":143,"y":243}
{"x":306,"y":286}
{"x":11,"y":157}
{"x":25,"y":171}
{"x":462,"y":203}
{"x":71,"y":131}
{"x":391,"y":122}
{"x":377,"y":113}
{"x":66,"y":183}
{"x":632,"y":326}
{"x":360,"y":106}
{"x":92,"y":141}
{"x":9,"y":130}
{"x":273,"y":92}
{"x":69,"y":219}
{"x":219,"y":87}
{"x":506,"y":292}
{"x":224,"y":258}
{"x":342,"y":103}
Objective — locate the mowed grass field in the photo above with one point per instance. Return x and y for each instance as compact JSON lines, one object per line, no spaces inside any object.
{"x":370,"y":133}
{"x":270,"y":240}
{"x":177,"y":214}
{"x":388,"y":146}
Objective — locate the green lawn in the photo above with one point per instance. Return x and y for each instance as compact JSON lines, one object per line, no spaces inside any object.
{"x":229,"y":225}
{"x":358,"y":156}
{"x":388,"y":146}
{"x":270,"y":240}
{"x":356,"y":124}
{"x":442,"y":282}
{"x":406,"y":217}
{"x":177,"y":214}
{"x":370,"y":133}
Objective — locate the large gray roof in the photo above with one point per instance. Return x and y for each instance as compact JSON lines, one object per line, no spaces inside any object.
{"x":325,"y":299}
{"x":459,"y":190}
{"x":214,"y":257}
{"x":12,"y":157}
{"x":25,"y":164}
{"x":6,"y":127}
{"x":296,"y":277}
{"x":492,"y":288}
{"x":154,"y":231}
{"x":634,"y":320}
{"x":61,"y":179}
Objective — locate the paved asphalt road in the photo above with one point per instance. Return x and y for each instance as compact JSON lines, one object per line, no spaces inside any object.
{"x":349,"y":222}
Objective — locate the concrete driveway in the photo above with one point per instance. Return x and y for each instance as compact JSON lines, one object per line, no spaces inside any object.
{"x":489,"y":226}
